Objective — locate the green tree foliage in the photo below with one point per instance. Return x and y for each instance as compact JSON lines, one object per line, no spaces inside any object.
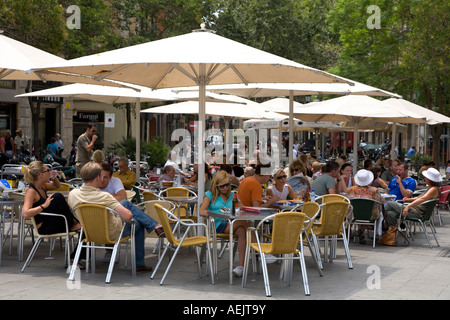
{"x":147,"y":20}
{"x":38,"y":23}
{"x":98,"y":30}
{"x":407,"y":54}
{"x":291,"y":29}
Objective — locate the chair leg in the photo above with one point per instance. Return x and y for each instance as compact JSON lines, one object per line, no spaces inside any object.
{"x":159,"y":261}
{"x":170,"y":265}
{"x":76,"y":259}
{"x":265,"y":274}
{"x":112,"y":262}
{"x":246,"y":262}
{"x":347,"y":250}
{"x":316,"y":246}
{"x":31,"y":255}
{"x":304,"y":273}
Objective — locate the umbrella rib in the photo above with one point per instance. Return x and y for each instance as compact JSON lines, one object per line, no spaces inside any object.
{"x":5,"y":72}
{"x":182,"y":70}
{"x":239,"y":74}
{"x":102,"y":77}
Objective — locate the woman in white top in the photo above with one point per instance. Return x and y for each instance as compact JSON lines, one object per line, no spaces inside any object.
{"x":280,"y":187}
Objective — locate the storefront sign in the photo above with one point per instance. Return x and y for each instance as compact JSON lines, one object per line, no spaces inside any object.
{"x":89,"y":117}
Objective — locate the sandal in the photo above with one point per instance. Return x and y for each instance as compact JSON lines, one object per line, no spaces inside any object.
{"x":160,"y":232}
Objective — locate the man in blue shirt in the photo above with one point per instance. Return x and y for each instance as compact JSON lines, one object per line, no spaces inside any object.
{"x":411,"y":152}
{"x":401,"y":185}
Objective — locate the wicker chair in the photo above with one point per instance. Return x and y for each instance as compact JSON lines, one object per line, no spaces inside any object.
{"x":94,"y":220}
{"x":183,"y":242}
{"x":286,"y":235}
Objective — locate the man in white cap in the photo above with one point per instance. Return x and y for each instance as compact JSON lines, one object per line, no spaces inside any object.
{"x":412,"y":207}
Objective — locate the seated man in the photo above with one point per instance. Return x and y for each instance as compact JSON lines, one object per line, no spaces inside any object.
{"x":401,"y":185}
{"x":250,"y":191}
{"x":125,"y":175}
{"x":111,"y":184}
{"x":89,"y":193}
{"x":325,"y":183}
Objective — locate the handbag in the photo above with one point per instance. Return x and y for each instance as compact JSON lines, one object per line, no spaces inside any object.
{"x":390,"y":237}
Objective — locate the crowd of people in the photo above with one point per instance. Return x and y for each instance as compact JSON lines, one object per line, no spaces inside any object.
{"x":253,"y":184}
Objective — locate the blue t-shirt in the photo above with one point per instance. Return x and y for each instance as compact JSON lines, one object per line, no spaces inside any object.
{"x":219,"y":204}
{"x":409,"y":183}
{"x":52,"y":148}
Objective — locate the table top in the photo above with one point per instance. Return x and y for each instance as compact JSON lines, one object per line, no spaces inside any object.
{"x":243,"y":215}
{"x":181,"y":199}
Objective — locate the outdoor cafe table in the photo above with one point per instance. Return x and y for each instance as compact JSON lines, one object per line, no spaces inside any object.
{"x":13,"y":203}
{"x":243,"y":215}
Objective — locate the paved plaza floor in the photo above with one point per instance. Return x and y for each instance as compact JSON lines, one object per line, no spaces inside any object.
{"x":386,"y":273}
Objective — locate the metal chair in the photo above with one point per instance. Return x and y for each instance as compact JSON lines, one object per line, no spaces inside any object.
{"x":444,"y":200}
{"x":67,"y":235}
{"x":183,"y":242}
{"x":362,"y":215}
{"x":430,"y":206}
{"x":311,"y":210}
{"x":149,"y":208}
{"x":76,"y":183}
{"x":94,"y":220}
{"x":286,"y":236}
{"x":332,"y":224}
{"x":179,"y":192}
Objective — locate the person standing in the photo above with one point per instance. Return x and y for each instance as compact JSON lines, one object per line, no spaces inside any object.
{"x":60,"y":144}
{"x":85,"y":145}
{"x":20,"y":140}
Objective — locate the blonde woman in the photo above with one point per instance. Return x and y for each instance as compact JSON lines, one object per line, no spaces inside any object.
{"x":280,"y":187}
{"x":215,"y":199}
{"x":98,"y":156}
{"x":37,"y":201}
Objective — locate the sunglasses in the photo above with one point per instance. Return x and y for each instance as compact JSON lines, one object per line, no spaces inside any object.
{"x":45,"y":171}
{"x":296,"y":169}
{"x":224,"y":185}
{"x":281,"y":177}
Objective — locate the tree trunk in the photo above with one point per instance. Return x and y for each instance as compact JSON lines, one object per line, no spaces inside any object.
{"x":35,"y":111}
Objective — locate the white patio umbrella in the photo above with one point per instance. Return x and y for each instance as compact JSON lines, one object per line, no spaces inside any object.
{"x":110,"y":95}
{"x":431,"y":116}
{"x":354,"y":109}
{"x":254,"y":90}
{"x":17,"y":58}
{"x":194,"y":59}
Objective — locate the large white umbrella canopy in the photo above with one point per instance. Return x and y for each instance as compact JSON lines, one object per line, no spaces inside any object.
{"x":241,"y":108}
{"x":431,"y":116}
{"x":110,"y":95}
{"x":17,"y":58}
{"x":354,"y":109}
{"x":254,"y":90}
{"x":197,"y":58}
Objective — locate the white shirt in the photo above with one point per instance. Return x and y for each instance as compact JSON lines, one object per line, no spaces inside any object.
{"x":114,"y":186}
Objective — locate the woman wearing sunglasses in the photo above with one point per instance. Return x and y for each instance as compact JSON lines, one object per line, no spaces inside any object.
{"x":37,"y":201}
{"x":215,"y":199}
{"x":280,"y":187}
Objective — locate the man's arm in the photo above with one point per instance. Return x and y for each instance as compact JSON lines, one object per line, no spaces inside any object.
{"x":124,"y":213}
{"x":120,"y":195}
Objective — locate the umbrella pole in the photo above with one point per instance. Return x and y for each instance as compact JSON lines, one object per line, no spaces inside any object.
{"x":200,"y":143}
{"x":291,"y":125}
{"x":355,"y":146}
{"x":138,"y":139}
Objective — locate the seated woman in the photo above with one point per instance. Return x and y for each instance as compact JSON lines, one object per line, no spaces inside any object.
{"x":280,"y":187}
{"x":415,"y":207}
{"x":362,"y":189}
{"x":216,"y":198}
{"x":168,"y":174}
{"x":37,"y":201}
{"x":346,"y":180}
{"x":193,"y":181}
{"x":298,"y":168}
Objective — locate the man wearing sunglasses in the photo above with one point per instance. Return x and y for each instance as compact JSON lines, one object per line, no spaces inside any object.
{"x":85,"y":145}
